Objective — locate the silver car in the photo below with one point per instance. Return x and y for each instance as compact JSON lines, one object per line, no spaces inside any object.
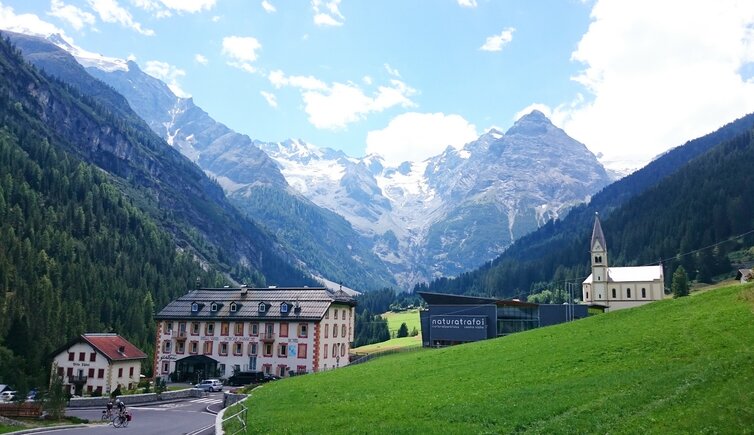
{"x":210,"y":385}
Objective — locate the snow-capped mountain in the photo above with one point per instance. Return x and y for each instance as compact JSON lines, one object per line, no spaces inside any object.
{"x":454,"y":211}
{"x":358,"y":219}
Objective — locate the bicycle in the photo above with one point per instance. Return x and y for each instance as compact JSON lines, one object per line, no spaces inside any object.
{"x":108,"y":414}
{"x":122,"y":419}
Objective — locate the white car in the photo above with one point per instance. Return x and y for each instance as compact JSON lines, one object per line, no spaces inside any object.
{"x":210,"y":385}
{"x":7,"y":396}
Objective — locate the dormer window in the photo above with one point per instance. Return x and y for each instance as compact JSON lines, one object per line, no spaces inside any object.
{"x":284,"y":307}
{"x":213,"y":307}
{"x":194,"y":307}
{"x":262,"y":307}
{"x":233,"y":307}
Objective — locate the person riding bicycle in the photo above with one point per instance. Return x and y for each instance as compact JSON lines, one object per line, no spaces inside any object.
{"x":120,"y":405}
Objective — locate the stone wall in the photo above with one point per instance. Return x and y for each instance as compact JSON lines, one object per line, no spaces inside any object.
{"x":133,"y":399}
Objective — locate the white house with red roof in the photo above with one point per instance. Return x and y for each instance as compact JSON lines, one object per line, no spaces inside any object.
{"x":96,"y":364}
{"x":614,"y":288}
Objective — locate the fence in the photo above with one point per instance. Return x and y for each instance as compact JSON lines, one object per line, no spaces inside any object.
{"x":235,"y":423}
{"x":22,"y":409}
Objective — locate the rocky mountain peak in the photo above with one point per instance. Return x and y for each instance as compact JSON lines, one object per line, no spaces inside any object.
{"x":533,"y":124}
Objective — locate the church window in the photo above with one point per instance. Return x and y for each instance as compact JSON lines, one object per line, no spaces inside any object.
{"x":587,"y":295}
{"x":643,"y":292}
{"x":628,"y":292}
{"x":614,"y":295}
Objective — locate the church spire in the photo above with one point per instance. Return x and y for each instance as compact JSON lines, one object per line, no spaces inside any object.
{"x":597,"y":235}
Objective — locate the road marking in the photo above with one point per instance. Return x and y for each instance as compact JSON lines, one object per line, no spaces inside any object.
{"x":210,"y":401}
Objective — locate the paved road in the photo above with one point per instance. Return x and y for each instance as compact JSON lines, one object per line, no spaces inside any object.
{"x":179,"y":418}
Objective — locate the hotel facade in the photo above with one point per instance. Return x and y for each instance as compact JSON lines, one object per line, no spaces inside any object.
{"x":210,"y":333}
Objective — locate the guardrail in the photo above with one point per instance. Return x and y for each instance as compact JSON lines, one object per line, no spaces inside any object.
{"x":236,"y":420}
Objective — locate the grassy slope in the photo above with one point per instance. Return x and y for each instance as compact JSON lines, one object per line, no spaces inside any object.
{"x":394,"y":320}
{"x":673,"y":366}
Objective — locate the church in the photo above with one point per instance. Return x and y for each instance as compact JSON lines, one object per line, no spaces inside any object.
{"x":615,"y":288}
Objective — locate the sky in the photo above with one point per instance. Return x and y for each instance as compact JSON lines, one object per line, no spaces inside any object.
{"x":407,"y":78}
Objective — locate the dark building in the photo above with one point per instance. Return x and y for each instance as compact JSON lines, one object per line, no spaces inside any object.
{"x":453,"y":319}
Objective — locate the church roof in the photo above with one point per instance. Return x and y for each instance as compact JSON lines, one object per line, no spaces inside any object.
{"x":597,"y":234}
{"x":631,"y":274}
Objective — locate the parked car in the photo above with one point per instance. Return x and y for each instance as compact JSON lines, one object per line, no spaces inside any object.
{"x":245,"y":378}
{"x":7,"y":395}
{"x":210,"y":385}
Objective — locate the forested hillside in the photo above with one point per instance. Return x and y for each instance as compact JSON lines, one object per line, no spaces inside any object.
{"x":692,"y":197}
{"x":86,"y":248}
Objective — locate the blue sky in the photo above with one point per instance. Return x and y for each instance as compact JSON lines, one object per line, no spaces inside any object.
{"x":405,"y":78}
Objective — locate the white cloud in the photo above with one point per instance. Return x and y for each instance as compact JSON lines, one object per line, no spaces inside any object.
{"x":153,"y":6}
{"x":110,"y":11}
{"x":190,"y":6}
{"x":660,"y":73}
{"x":467,"y":3}
{"x":327,"y":13}
{"x":198,"y":58}
{"x":74,"y":16}
{"x":416,"y":136}
{"x":392,"y":71}
{"x":29,"y":24}
{"x":216,"y":19}
{"x":367,"y":80}
{"x":268,"y":7}
{"x":131,"y":57}
{"x":496,"y":42}
{"x":279,"y":79}
{"x":168,"y":74}
{"x":270,"y":98}
{"x":345,"y":103}
{"x":242,"y":51}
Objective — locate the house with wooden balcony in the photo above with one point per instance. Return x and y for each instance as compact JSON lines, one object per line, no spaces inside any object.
{"x":95,"y":364}
{"x":214,"y":332}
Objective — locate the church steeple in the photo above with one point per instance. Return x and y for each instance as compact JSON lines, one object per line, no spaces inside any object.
{"x":597,"y":235}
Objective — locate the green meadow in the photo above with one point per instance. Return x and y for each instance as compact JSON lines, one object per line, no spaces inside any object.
{"x":675,"y":366}
{"x":409,"y":317}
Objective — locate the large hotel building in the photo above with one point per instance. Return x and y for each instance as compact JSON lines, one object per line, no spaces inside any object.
{"x":282,"y":331}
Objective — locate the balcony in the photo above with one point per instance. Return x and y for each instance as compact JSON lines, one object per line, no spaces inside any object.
{"x":80,"y":379}
{"x":179,"y":335}
{"x":267,"y":336}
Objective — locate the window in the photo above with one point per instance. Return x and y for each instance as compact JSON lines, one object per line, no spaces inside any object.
{"x":335,"y":350}
{"x":131,"y":371}
{"x":165,"y":367}
{"x":252,"y":348}
{"x":587,"y":295}
{"x":89,"y":389}
{"x":224,"y":328}
{"x":91,"y":373}
{"x":213,"y":307}
{"x":327,"y":314}
{"x":120,"y":372}
{"x":237,"y":348}
{"x":262,"y":307}
{"x":614,"y":294}
{"x":194,"y":328}
{"x":303,"y":330}
{"x":269,"y":328}
{"x":254,"y":328}
{"x":166,"y":347}
{"x":327,"y":331}
{"x":628,"y":293}
{"x":82,"y":356}
{"x":343,"y":349}
{"x":325,"y":353}
{"x":223,"y":348}
{"x":283,"y":307}
{"x":101,"y":373}
{"x":283,"y":350}
{"x":194,"y":347}
{"x":70,"y":356}
{"x":599,"y":296}
{"x":300,"y":369}
{"x":180,"y":347}
{"x":194,"y":307}
{"x":267,"y":368}
{"x":302,"y":350}
{"x":69,"y":372}
{"x":93,"y":357}
{"x":268,"y":349}
{"x":169,"y":327}
{"x":222,"y":368}
{"x":281,"y":370}
{"x":283,"y":329}
{"x":239,"y":328}
{"x":643,"y":292}
{"x":209,"y":328}
{"x":208,"y":348}
{"x":334,"y":331}
{"x":343,"y":315}
{"x":233,"y":307}
{"x":343,"y":330}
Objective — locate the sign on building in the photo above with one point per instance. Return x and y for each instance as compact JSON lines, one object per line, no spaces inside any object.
{"x":458,"y":328}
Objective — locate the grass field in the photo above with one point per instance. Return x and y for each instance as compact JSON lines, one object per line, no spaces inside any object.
{"x":674,"y":366}
{"x":394,"y":320}
{"x":391,"y":344}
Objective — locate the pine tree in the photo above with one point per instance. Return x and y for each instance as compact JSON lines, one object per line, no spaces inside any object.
{"x":402,"y":331}
{"x":680,"y":285}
